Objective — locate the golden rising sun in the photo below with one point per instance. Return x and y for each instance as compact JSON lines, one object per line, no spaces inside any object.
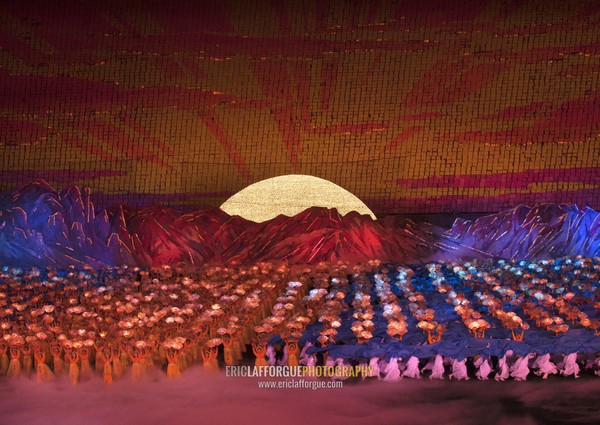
{"x":290,"y":195}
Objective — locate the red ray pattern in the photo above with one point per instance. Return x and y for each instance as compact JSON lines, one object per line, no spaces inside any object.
{"x":279,"y":92}
{"x":329,"y":73}
{"x":218,"y":130}
{"x":501,"y":180}
{"x":420,"y":106}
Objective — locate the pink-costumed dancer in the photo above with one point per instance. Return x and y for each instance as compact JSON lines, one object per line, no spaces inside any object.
{"x":459,"y":370}
{"x":412,"y":368}
{"x":520,"y":369}
{"x":303,"y":356}
{"x":392,"y":371}
{"x":438,"y":370}
{"x":340,"y":365}
{"x":570,"y":366}
{"x":544,"y":366}
{"x":483,"y":368}
{"x":503,"y":367}
{"x":374,"y":365}
{"x":270,"y":355}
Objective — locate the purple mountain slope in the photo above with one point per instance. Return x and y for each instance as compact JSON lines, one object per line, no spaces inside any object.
{"x":42,"y":226}
{"x":543,"y":231}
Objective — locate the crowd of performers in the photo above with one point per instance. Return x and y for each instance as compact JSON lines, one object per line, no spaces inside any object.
{"x":119,"y":323}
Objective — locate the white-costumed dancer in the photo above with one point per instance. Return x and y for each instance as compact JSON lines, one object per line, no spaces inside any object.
{"x":437,"y":371}
{"x":570,"y":366}
{"x":597,"y":366}
{"x":483,"y":368}
{"x":412,"y":368}
{"x":544,"y":366}
{"x":459,"y":370}
{"x":520,"y":369}
{"x":503,"y":367}
{"x":270,"y":355}
{"x":392,"y":371}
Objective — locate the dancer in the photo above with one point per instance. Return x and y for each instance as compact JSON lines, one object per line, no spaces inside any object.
{"x":374,"y":367}
{"x":107,"y":356}
{"x":3,"y":357}
{"x":27,"y":360}
{"x":544,"y":366}
{"x":86,"y":369}
{"x":412,"y":368}
{"x":57,"y":362}
{"x":124,"y":354}
{"x":271,"y":355}
{"x":392,"y":371}
{"x":146,"y":359}
{"x":43,"y":372}
{"x":259,"y":352}
{"x":503,"y":367}
{"x":520,"y":369}
{"x":14,"y":368}
{"x":311,"y":361}
{"x":570,"y":366}
{"x":303,"y":356}
{"x":209,"y":358}
{"x":117,"y":364}
{"x":99,"y":365}
{"x":459,"y":370}
{"x":136,"y":364}
{"x":340,"y":366}
{"x":173,"y":370}
{"x":238,"y":347}
{"x":437,"y":371}
{"x":72,"y":358}
{"x":484,"y":369}
{"x":292,"y":348}
{"x":228,"y":350}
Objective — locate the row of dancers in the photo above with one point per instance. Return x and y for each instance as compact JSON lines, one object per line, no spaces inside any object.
{"x":112,"y":362}
{"x":54,"y":361}
{"x":509,"y":366}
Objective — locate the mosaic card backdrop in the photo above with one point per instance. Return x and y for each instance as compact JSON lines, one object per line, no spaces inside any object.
{"x":414,"y":106}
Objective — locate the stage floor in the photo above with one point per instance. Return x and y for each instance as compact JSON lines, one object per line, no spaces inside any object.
{"x":214,"y":399}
